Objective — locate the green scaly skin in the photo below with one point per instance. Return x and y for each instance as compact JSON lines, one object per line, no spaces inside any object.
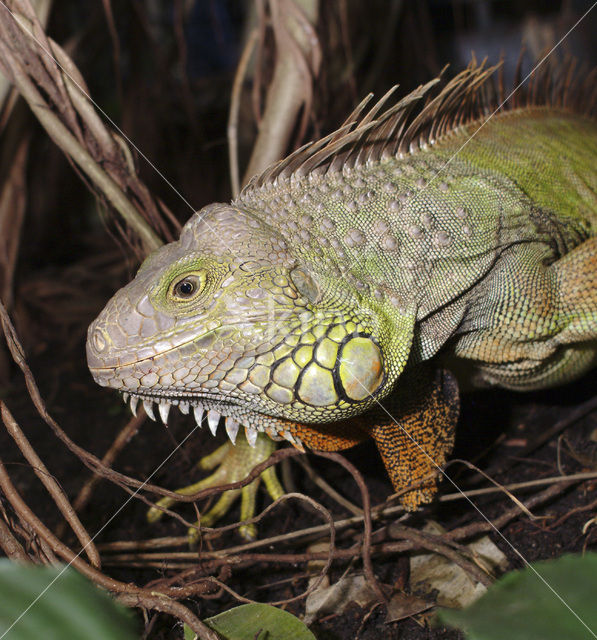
{"x":321,"y":292}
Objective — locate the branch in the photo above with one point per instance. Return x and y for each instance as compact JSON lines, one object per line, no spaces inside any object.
{"x":50,"y":83}
{"x":298,"y":58}
{"x":50,"y":484}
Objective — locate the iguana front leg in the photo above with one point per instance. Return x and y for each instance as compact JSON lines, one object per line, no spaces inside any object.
{"x":416,"y":433}
{"x":413,"y":429}
{"x":233,"y":462}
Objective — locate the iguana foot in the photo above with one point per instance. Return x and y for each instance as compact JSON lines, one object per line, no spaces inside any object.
{"x":233,"y":462}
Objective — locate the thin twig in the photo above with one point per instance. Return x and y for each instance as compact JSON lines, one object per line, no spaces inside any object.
{"x":10,"y":545}
{"x":150,"y":601}
{"x":141,"y":597}
{"x":576,"y":414}
{"x":409,"y":542}
{"x":115,"y":47}
{"x":50,"y":483}
{"x":482,"y":473}
{"x":327,"y":488}
{"x":573,"y":477}
{"x":484,"y":526}
{"x":437,"y":544}
{"x":328,"y":557}
{"x":121,"y":440}
{"x":367,"y":526}
{"x":187,"y":559}
{"x":232,"y":131}
{"x":378,"y":513}
{"x":587,"y":507}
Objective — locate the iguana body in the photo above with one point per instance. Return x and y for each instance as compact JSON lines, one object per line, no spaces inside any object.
{"x":322,"y":305}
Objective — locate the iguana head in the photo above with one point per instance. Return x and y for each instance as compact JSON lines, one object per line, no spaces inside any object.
{"x":227,"y":320}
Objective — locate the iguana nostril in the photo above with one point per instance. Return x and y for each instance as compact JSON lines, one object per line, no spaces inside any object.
{"x":98,"y":340}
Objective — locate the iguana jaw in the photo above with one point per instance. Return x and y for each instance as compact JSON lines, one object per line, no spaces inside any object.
{"x":213,"y":409}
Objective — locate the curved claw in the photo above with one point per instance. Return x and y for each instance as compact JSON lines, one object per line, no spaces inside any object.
{"x":232,"y":463}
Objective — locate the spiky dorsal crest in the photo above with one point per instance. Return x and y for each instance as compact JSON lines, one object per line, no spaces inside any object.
{"x":431,"y":112}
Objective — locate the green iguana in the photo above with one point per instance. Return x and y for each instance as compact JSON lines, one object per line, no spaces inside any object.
{"x":324,"y":304}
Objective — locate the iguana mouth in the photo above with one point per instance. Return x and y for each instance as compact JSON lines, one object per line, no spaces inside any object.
{"x":212,"y":410}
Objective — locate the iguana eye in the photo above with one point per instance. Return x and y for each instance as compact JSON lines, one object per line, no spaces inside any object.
{"x":185,"y":288}
{"x":188,"y":287}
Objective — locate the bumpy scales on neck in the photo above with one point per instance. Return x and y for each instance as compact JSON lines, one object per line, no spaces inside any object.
{"x":321,"y":300}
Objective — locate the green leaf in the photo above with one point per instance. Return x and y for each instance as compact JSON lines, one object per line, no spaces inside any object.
{"x":259,"y":622}
{"x":55,"y":603}
{"x":189,"y":634}
{"x":521,"y":606}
